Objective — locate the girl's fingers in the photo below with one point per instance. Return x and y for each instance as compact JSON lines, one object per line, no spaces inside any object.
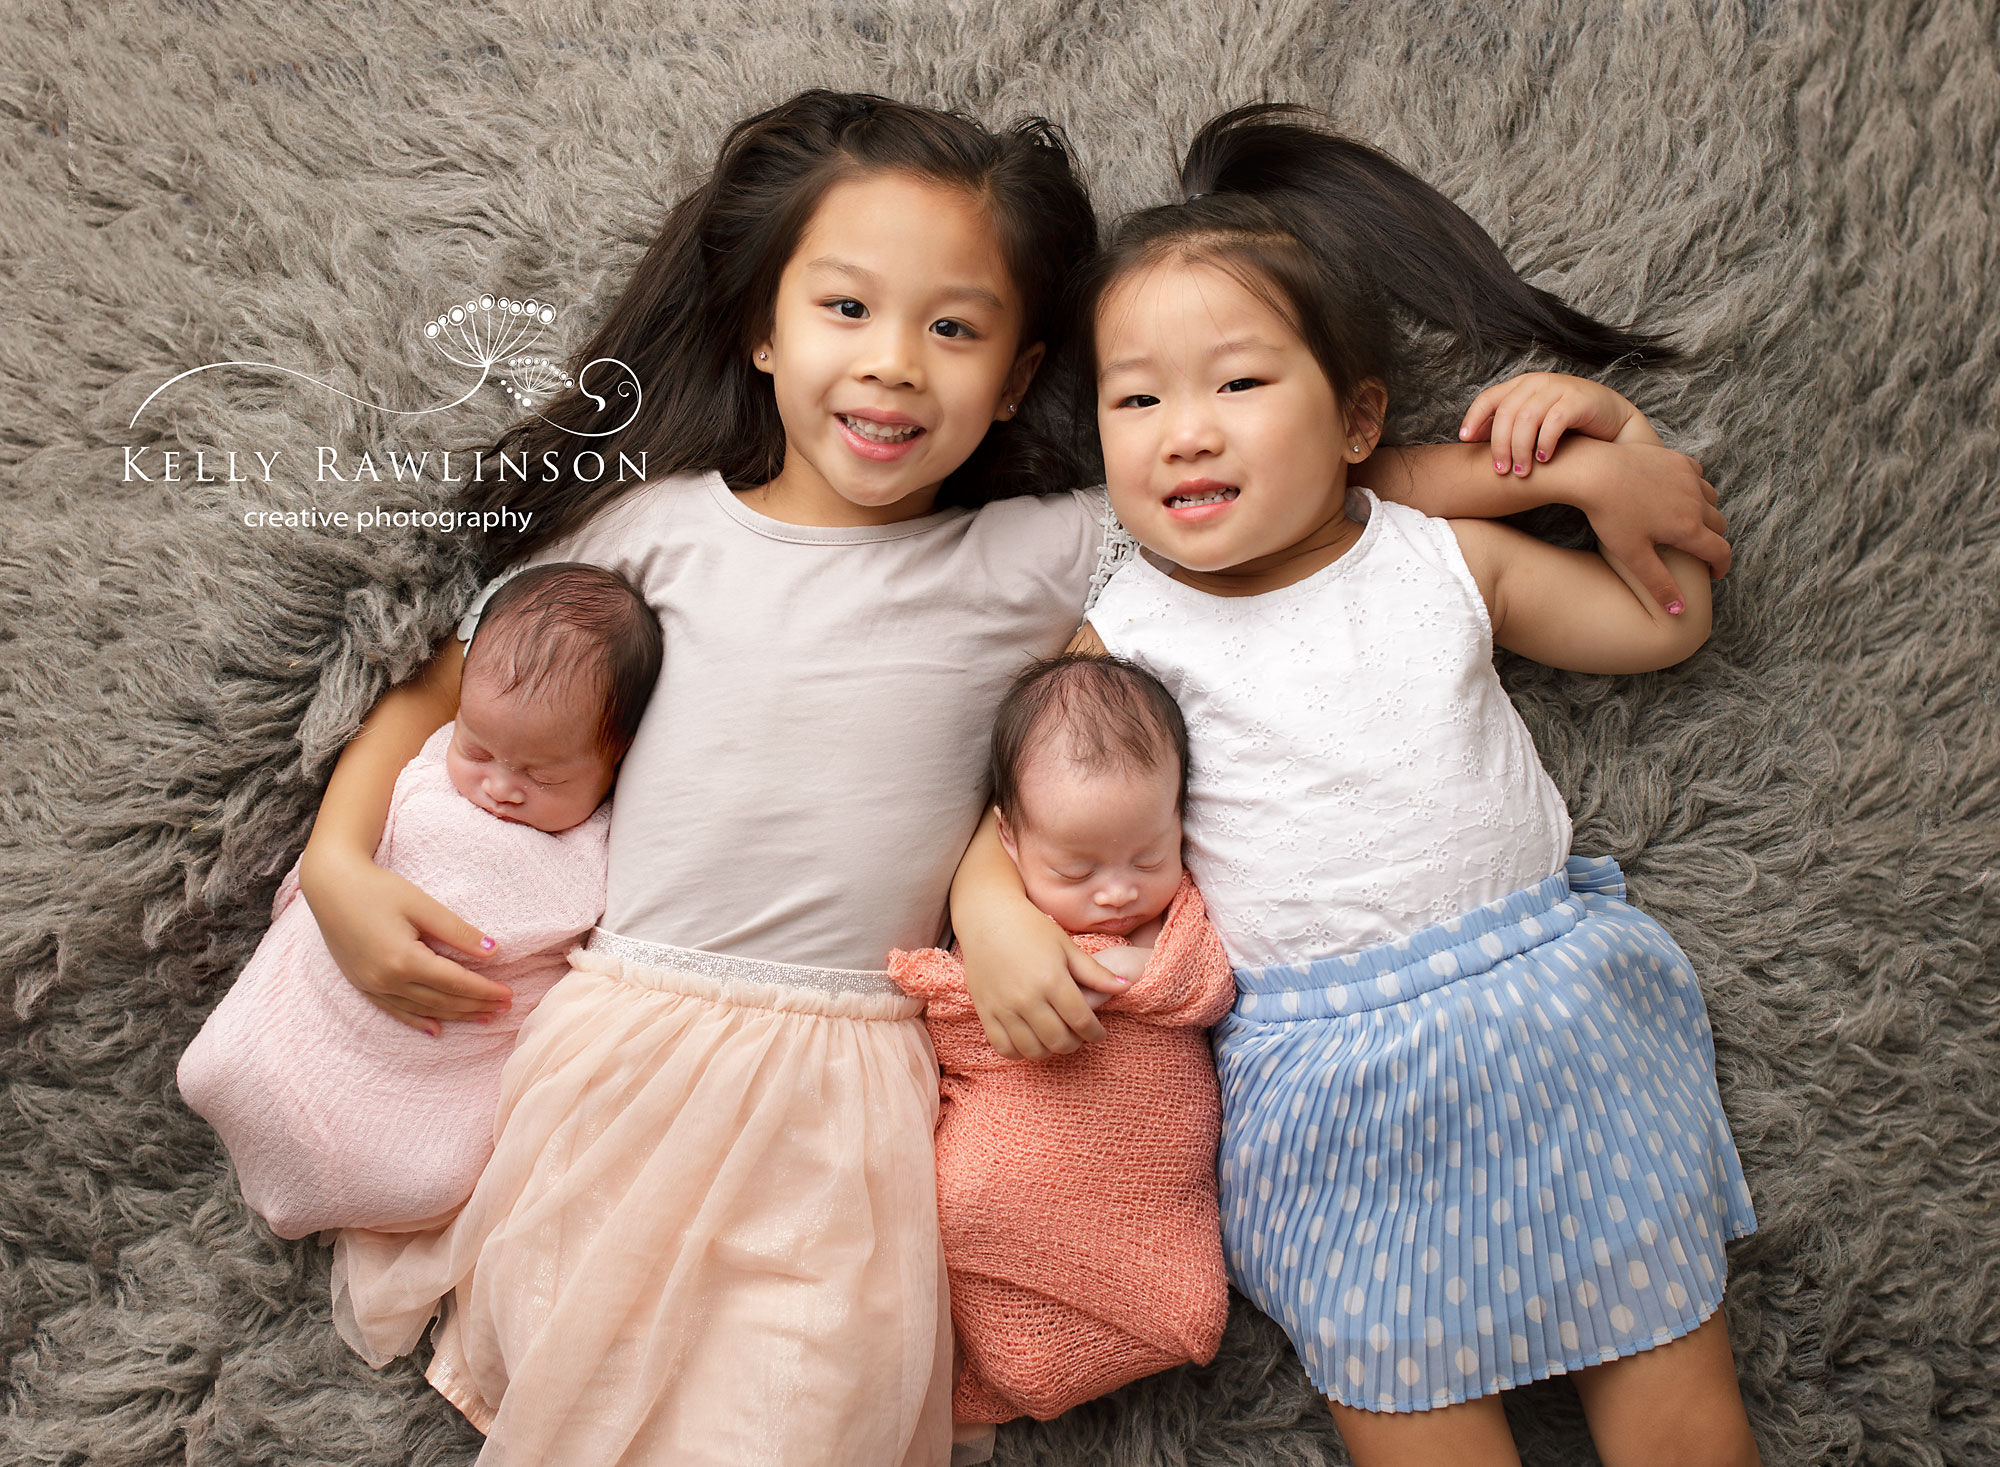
{"x":1521,"y":446}
{"x":459,"y":986}
{"x":1027,"y":1036}
{"x":1640,"y":556}
{"x":1022,"y":1042}
{"x":1503,"y":438}
{"x":1653,"y":574}
{"x":1711,"y":547}
{"x":1087,"y":971}
{"x":1712,"y":517}
{"x":997,"y":1036}
{"x":1053,"y":1030}
{"x":435,"y":919}
{"x":1554,"y":424}
{"x":1472,"y":427}
{"x":405,"y":1015}
{"x":1078,"y":1016}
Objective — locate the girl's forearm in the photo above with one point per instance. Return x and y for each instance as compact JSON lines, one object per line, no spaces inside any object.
{"x":1456,"y":481}
{"x":987,"y":882}
{"x":355,"y":807}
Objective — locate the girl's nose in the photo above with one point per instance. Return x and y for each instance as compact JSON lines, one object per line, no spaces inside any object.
{"x":502,"y":791}
{"x":1192,"y":433}
{"x":1118,"y":894}
{"x":892,"y":357}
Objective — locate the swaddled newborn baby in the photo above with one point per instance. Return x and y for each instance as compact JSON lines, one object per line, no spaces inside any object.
{"x":1077,"y":1193}
{"x":338,"y":1115}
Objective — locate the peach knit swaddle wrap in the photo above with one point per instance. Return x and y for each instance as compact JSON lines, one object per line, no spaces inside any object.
{"x":1076,"y":1193}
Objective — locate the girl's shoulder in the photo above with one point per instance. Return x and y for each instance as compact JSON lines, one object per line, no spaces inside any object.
{"x":1073,"y":507}
{"x":1073,"y":535}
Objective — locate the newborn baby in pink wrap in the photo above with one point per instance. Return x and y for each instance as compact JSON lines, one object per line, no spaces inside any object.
{"x":338,"y":1115}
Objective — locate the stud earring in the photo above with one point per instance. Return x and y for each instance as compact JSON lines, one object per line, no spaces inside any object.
{"x":762,"y":355}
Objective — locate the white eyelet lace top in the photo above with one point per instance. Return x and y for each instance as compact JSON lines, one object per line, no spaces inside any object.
{"x":1358,"y":771}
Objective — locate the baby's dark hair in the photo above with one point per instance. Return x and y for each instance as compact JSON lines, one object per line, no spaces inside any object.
{"x":703,"y":296}
{"x":568,"y":627}
{"x":1350,"y":248}
{"x":1099,"y":713}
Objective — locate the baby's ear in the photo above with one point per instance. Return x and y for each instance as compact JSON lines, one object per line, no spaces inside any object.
{"x":1006,"y":836}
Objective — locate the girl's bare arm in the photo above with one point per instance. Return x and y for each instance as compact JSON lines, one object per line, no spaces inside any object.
{"x":1547,"y":438}
{"x":1582,"y":609}
{"x":1027,"y":980}
{"x":372,"y":919}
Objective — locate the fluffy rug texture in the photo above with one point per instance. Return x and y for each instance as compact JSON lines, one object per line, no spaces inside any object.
{"x":1812,"y":805}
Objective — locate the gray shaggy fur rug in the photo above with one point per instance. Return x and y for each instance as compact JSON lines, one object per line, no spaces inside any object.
{"x":1811,"y":805}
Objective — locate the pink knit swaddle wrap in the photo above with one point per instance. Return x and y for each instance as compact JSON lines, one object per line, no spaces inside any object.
{"x":1077,"y":1193}
{"x":337,"y":1115}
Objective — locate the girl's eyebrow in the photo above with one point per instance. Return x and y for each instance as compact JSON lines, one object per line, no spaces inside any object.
{"x":1231,"y":347}
{"x":1237,"y":344}
{"x":977,"y":294}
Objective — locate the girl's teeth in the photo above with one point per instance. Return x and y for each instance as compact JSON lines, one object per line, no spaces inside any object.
{"x":1182,"y":501}
{"x":881,"y":432}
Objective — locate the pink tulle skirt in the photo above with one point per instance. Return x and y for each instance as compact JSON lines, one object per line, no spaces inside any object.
{"x":708,"y":1232}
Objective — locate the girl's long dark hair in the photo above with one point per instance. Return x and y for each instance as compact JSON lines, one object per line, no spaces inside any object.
{"x":705,"y":291}
{"x":1352,"y":248}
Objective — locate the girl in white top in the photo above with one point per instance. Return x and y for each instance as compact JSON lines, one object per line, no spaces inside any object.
{"x":1471,"y":1135}
{"x":708,"y":1232}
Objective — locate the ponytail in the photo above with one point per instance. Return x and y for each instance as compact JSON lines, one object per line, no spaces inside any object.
{"x":1351,"y":247}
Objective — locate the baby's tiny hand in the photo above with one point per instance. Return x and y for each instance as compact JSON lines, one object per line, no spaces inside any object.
{"x":1127,"y":962}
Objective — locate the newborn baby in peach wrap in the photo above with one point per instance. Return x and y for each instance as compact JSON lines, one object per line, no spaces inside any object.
{"x":337,"y":1114}
{"x":1077,"y":1193}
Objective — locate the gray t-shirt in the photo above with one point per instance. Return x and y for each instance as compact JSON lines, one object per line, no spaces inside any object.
{"x":813,"y":760}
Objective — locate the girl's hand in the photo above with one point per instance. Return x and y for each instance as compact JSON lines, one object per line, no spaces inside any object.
{"x":1031,"y":988}
{"x":1640,"y":497}
{"x":1526,"y":416}
{"x":373,"y":922}
{"x":1647,"y":496}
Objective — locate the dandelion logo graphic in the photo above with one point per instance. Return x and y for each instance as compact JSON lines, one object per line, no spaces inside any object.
{"x":494,"y":336}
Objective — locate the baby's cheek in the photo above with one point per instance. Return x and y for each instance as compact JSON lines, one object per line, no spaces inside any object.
{"x":461,"y":778}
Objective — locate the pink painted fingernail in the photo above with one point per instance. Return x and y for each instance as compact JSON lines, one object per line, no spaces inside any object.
{"x":1542,"y":454}
{"x":1674,"y":608}
{"x":1499,"y":466}
{"x":485,"y":1018}
{"x":1465,"y":432}
{"x":487,"y":943}
{"x":1520,"y":468}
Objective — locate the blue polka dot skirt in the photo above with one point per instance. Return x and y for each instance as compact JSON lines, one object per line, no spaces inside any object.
{"x":1486,"y":1153}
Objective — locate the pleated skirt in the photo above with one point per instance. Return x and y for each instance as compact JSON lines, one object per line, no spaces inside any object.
{"x":1480,"y":1155}
{"x":707,"y":1234}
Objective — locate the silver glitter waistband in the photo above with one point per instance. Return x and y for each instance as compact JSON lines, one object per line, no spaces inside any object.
{"x":726,"y":968}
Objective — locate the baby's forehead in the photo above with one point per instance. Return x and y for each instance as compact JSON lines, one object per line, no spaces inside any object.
{"x":1052,"y":777}
{"x":549,"y":718}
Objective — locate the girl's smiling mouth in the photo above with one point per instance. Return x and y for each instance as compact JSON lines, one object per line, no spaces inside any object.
{"x":1200,"y":499}
{"x":880,"y":437}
